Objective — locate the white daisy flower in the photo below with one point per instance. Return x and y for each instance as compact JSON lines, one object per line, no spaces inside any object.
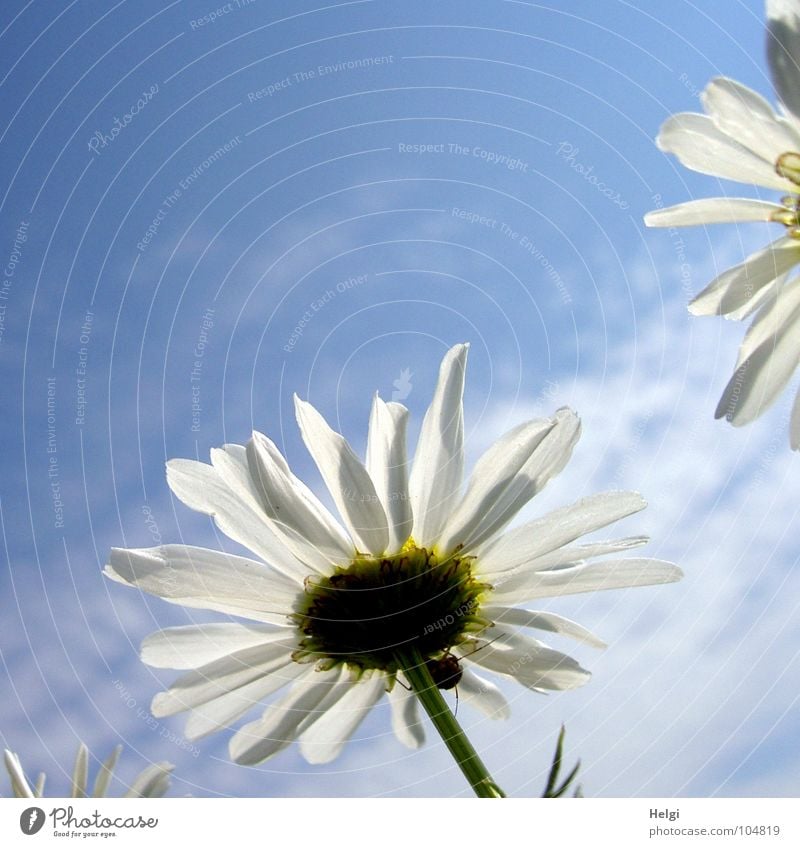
{"x":419,"y":568}
{"x":742,"y":138}
{"x":153,"y":781}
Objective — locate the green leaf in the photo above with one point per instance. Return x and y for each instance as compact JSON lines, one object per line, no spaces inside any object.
{"x":553,"y":789}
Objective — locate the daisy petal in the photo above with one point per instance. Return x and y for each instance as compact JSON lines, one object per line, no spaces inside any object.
{"x":528,"y":661}
{"x":574,"y":553}
{"x":205,"y":579}
{"x":783,"y":301}
{"x":347,"y":480}
{"x":152,"y":781}
{"x":526,"y":544}
{"x":489,"y":490}
{"x":438,"y":468}
{"x":305,"y":525}
{"x":200,"y":487}
{"x":758,"y":301}
{"x":233,"y":465}
{"x":278,"y":727}
{"x":323,"y":740}
{"x":700,"y":145}
{"x":594,"y":576}
{"x":220,"y":677}
{"x":184,"y":647}
{"x":483,"y":695}
{"x":746,"y":116}
{"x":222,"y":711}
{"x":387,"y":464}
{"x":763,"y":374}
{"x":508,"y":475}
{"x":230,"y":463}
{"x":406,"y":722}
{"x":19,"y":782}
{"x":103,"y":779}
{"x":783,"y":51}
{"x":735,"y":287}
{"x":794,"y":427}
{"x":712,"y":210}
{"x":80,"y":772}
{"x":543,"y":620}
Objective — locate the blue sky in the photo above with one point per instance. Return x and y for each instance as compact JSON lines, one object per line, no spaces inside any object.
{"x":203,"y":216}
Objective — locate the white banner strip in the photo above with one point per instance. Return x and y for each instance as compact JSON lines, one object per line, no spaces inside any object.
{"x":400,"y":823}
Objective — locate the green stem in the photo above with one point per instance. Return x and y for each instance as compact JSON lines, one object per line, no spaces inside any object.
{"x":463,"y":752}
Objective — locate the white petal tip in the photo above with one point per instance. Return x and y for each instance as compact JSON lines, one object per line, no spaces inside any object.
{"x":729,"y":413}
{"x":642,"y":503}
{"x":457,"y":351}
{"x":110,"y":572}
{"x":577,"y":678}
{"x":162,"y":705}
{"x":318,"y":757}
{"x":566,"y":415}
{"x":671,"y":573}
{"x":699,"y":308}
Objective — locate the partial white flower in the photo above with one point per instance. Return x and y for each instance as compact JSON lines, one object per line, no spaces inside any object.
{"x":421,"y":564}
{"x":742,"y":138}
{"x":153,"y":781}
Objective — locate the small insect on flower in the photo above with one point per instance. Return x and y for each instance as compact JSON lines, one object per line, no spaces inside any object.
{"x":446,"y":671}
{"x":418,"y":573}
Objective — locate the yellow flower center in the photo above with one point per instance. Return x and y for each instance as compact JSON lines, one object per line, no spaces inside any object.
{"x":788,"y":166}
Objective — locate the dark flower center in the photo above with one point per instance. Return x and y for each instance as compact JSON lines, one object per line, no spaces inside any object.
{"x":374,"y":610}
